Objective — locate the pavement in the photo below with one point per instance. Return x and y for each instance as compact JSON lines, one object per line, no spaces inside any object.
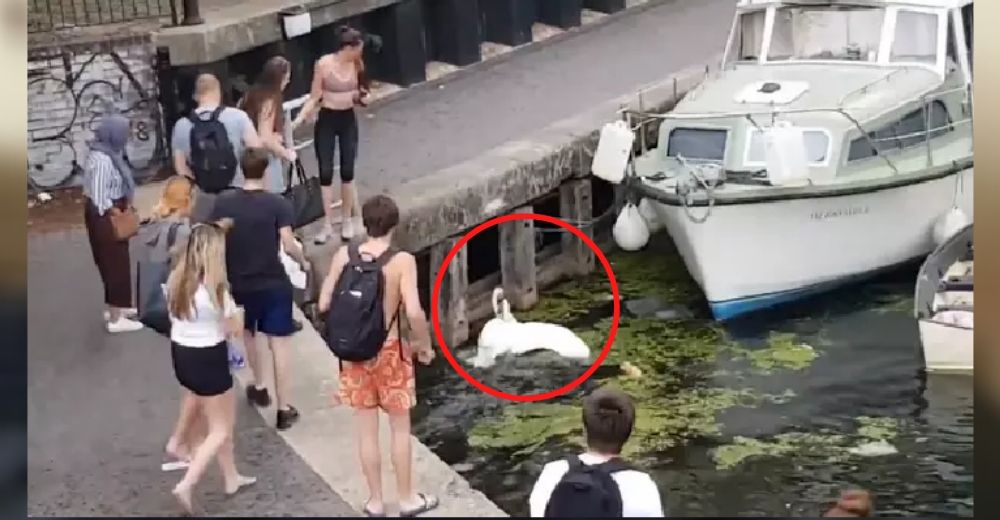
{"x":101,"y":407}
{"x":430,"y":129}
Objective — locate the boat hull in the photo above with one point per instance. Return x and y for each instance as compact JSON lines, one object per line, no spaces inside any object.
{"x":756,"y":255}
{"x":947,"y":348}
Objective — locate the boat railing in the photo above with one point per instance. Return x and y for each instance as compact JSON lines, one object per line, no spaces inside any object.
{"x":638,"y":120}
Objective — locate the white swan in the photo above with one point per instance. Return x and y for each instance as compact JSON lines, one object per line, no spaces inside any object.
{"x":505,"y":335}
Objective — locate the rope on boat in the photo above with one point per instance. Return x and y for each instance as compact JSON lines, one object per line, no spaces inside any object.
{"x":685,"y":190}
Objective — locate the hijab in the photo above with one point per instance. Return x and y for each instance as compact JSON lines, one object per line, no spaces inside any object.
{"x":110,"y":137}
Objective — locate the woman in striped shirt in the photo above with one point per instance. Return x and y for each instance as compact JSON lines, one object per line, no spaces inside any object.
{"x":109,"y":187}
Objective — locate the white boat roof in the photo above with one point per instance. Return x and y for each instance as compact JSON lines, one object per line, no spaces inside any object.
{"x":947,"y":4}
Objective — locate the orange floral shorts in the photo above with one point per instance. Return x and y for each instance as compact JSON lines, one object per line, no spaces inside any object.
{"x":387,"y":381}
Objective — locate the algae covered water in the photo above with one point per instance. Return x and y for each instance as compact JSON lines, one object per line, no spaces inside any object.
{"x":769,"y":415}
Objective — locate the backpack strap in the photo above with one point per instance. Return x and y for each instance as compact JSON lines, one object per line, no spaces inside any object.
{"x":215,"y":113}
{"x":614,"y":466}
{"x":353,"y":253}
{"x":611,"y":466}
{"x":172,"y":234}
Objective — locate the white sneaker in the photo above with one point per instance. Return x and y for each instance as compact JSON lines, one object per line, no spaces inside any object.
{"x":323,"y":235}
{"x":129,"y":313}
{"x":124,"y":325}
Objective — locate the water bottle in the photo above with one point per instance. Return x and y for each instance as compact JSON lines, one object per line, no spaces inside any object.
{"x":236,"y":358}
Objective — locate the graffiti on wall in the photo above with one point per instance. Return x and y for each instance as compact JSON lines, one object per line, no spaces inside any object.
{"x":69,"y":92}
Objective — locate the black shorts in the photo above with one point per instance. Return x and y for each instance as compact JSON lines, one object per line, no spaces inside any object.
{"x":202,"y":370}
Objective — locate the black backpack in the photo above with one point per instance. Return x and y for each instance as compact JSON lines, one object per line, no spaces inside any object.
{"x":213,"y":158}
{"x":355,"y":326}
{"x":587,"y":491}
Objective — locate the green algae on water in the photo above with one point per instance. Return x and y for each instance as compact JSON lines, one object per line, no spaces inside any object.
{"x":878,"y":428}
{"x":526,"y":427}
{"x":827,"y":446}
{"x":782,"y":352}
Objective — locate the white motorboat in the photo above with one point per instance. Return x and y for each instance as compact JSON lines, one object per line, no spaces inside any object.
{"x":943,"y":305}
{"x":833,"y":139}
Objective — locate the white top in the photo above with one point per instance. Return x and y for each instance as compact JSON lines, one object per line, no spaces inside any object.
{"x":206,"y":328}
{"x":640,"y":496}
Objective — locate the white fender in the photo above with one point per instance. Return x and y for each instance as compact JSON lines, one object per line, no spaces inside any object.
{"x":630,"y":232}
{"x":613,"y":149}
{"x":948,"y":224}
{"x":653,"y":222}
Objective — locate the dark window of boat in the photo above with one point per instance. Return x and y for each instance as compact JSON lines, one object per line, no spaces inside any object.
{"x":952,"y":46}
{"x":908,"y":131}
{"x":748,"y":37}
{"x":697,"y":143}
{"x":967,"y":24}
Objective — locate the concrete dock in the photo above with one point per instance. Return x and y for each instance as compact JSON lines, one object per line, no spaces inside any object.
{"x":447,"y":152}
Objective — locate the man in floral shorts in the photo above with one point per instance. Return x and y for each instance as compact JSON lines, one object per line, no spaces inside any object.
{"x":388,"y":381}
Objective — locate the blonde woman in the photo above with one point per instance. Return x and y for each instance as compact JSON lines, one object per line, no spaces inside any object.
{"x":202,"y":316}
{"x":163,"y":237}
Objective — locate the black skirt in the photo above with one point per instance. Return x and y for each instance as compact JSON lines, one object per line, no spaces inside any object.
{"x":202,"y":370}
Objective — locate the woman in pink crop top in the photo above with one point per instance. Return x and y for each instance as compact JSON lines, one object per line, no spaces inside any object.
{"x":336,"y":89}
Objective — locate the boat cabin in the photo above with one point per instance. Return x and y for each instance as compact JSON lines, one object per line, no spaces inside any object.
{"x":866,"y":85}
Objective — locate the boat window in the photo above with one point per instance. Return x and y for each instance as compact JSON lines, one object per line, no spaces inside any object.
{"x":749,"y":37}
{"x":816,"y":141}
{"x":908,"y":131}
{"x":967,"y":25}
{"x":697,"y":143}
{"x":916,"y":38}
{"x":826,"y":33}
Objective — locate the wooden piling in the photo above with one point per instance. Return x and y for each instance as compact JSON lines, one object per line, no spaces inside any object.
{"x":575,"y":207}
{"x":452,"y":305}
{"x":517,"y":261}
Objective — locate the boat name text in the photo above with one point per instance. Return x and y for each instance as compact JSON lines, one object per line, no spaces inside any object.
{"x":840,"y":212}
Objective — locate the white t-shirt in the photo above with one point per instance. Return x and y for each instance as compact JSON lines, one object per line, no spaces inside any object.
{"x":640,"y":496}
{"x":206,"y":327}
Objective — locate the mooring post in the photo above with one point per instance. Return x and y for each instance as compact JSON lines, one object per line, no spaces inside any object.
{"x":517,"y":261}
{"x":576,"y":208}
{"x":454,"y":287}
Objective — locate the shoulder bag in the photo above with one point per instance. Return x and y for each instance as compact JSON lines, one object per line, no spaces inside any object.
{"x":305,"y":197}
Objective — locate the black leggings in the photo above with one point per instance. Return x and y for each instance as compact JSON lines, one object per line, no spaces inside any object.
{"x":333,"y":127}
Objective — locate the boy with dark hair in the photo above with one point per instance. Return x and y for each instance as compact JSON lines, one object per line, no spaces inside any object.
{"x":369,"y":289}
{"x":262,"y":225}
{"x":597,"y":483}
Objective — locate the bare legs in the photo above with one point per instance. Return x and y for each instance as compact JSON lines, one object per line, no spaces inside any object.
{"x":367,"y":424}
{"x":278,"y":348}
{"x":347,"y":195}
{"x":220,"y":413}
{"x":253,"y":359}
{"x":190,"y":429}
{"x":371,"y":459}
{"x":280,"y":355}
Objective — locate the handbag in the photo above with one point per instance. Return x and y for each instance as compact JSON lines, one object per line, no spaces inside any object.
{"x":305,"y":197}
{"x":150,"y":278}
{"x":124,"y":223}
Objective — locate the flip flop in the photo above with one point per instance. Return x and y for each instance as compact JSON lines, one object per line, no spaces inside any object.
{"x":429,"y":504}
{"x":175,"y":465}
{"x":369,"y":513}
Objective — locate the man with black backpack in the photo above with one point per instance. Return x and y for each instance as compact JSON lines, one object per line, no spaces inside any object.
{"x":598,"y":483}
{"x":208,"y":143}
{"x":368,"y":288}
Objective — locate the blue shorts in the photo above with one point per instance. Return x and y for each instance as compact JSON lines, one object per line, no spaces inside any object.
{"x":267,"y":311}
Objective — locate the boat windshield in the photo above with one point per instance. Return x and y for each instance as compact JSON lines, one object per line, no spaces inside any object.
{"x":826,"y":32}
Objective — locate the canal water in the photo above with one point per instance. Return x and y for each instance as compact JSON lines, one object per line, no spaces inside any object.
{"x":771,"y":415}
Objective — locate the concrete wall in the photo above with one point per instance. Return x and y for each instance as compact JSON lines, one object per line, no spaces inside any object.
{"x":71,"y":85}
{"x":518,"y":172}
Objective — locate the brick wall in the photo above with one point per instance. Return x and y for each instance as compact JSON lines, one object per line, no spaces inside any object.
{"x":71,"y":85}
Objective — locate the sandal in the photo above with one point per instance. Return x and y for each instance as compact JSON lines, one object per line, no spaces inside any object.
{"x":369,"y":513}
{"x":429,"y":504}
